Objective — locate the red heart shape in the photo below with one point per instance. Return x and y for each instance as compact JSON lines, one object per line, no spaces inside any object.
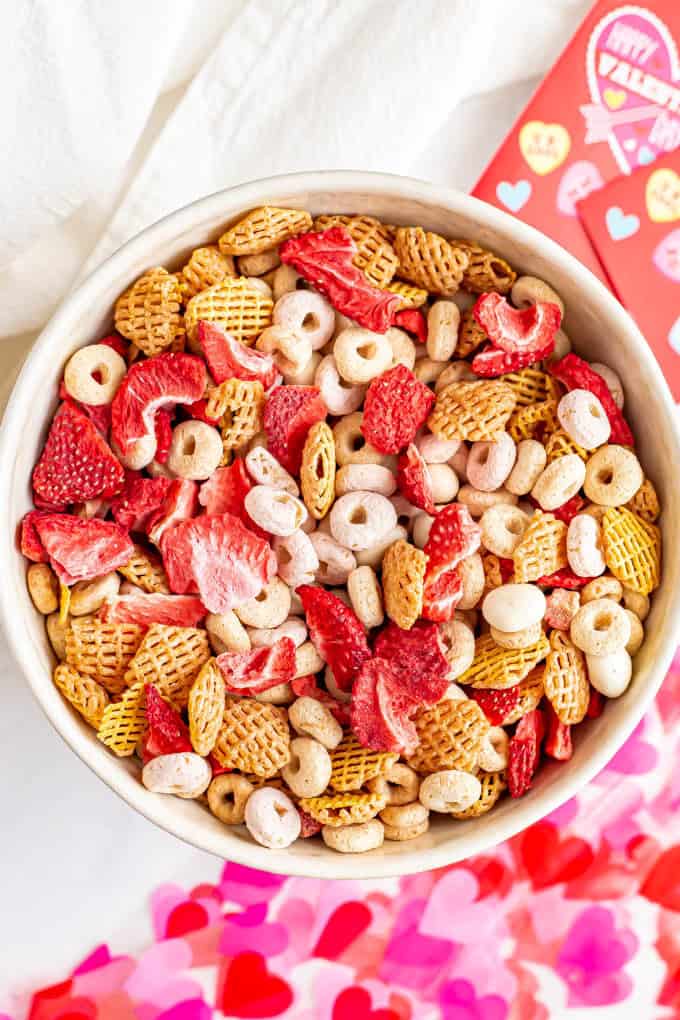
{"x":343,"y":926}
{"x":550,"y":859}
{"x":186,"y":917}
{"x":355,"y":1004}
{"x":251,"y":991}
{"x":491,"y":874}
{"x":662,"y":884}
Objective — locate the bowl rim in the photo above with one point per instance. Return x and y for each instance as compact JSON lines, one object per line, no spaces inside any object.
{"x":327,"y":864}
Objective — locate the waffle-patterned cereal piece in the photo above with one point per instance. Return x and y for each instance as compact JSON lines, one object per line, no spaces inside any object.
{"x":317,"y":471}
{"x":170,"y":658}
{"x":411,"y":297}
{"x":560,"y":444}
{"x":206,"y":707}
{"x":486,"y":271}
{"x":470,"y":335}
{"x":429,"y":261}
{"x":83,"y":692}
{"x":531,"y":386}
{"x":263,"y":228}
{"x":451,"y":735}
{"x":529,"y":691}
{"x":645,"y":503}
{"x":536,"y":421}
{"x":403,"y":579}
{"x":375,"y":254}
{"x":493,"y":785}
{"x":148,"y":313}
{"x":353,"y":765}
{"x":233,"y":303}
{"x":253,"y":737}
{"x":472,"y":410}
{"x":206,"y":267}
{"x":497,"y":668}
{"x":123,"y":722}
{"x":238,"y":404}
{"x":542,"y":548}
{"x":326,"y":220}
{"x":344,"y":808}
{"x":632,"y":549}
{"x":146,"y":571}
{"x":565,"y":679}
{"x":102,"y":650}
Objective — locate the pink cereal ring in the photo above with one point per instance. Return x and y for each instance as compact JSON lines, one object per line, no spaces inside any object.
{"x":584,"y":419}
{"x":489,"y":464}
{"x":584,"y":546}
{"x":434,"y":450}
{"x":308,"y":314}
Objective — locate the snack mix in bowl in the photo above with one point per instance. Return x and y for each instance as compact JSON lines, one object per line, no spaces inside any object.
{"x":337,"y":531}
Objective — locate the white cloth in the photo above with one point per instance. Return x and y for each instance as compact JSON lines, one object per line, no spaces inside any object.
{"x":114,"y":114}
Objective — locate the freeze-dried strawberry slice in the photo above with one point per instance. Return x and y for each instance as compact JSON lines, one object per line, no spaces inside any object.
{"x":568,"y":510}
{"x":441,"y":595}
{"x":414,"y":480}
{"x":259,"y":669}
{"x":413,"y":321}
{"x":396,"y":706}
{"x":307,"y":686}
{"x":29,"y":539}
{"x":163,"y":433}
{"x":199,"y":410}
{"x":564,"y":578}
{"x":225,"y":492}
{"x":76,"y":463}
{"x":227,"y":358}
{"x":595,"y":704}
{"x":560,"y":608}
{"x":379,"y":708}
{"x":517,"y":329}
{"x":180,"y":504}
{"x":453,"y":537}
{"x":493,"y":361}
{"x":99,"y":414}
{"x":337,"y":633}
{"x":116,"y":343}
{"x":524,"y":752}
{"x":80,"y":549}
{"x":418,"y":657}
{"x":576,"y":373}
{"x":558,"y":743}
{"x":308,"y":825}
{"x":140,"y":498}
{"x":166,"y":733}
{"x":326,"y":260}
{"x":170,"y":610}
{"x":497,"y":706}
{"x":396,"y":405}
{"x":149,"y":385}
{"x":220,"y":558}
{"x":289,"y":414}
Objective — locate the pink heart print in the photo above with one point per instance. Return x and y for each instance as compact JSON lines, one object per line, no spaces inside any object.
{"x":578,"y":180}
{"x":632,"y":63}
{"x":667,"y":256}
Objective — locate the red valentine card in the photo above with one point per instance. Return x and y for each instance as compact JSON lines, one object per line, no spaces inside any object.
{"x":610,"y":104}
{"x":634,"y":226}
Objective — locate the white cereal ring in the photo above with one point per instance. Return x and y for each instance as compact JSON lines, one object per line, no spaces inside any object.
{"x":478,"y":502}
{"x":354,"y":839}
{"x":271,"y":818}
{"x":309,"y":770}
{"x":458,"y":645}
{"x":339,"y":396}
{"x":459,"y":461}
{"x":297,"y":559}
{"x":637,"y":632}
{"x":613,"y":475}
{"x":284,"y":281}
{"x":493,"y":756}
{"x":584,"y":419}
{"x":361,"y":355}
{"x":43,"y":587}
{"x":512,"y":607}
{"x":449,"y":790}
{"x":293,"y":628}
{"x":584,"y":546}
{"x":359,"y":520}
{"x":610,"y":674}
{"x":636,"y":602}
{"x":600,"y":627}
{"x":612,"y":380}
{"x":310,"y":718}
{"x":365,"y":478}
{"x":373,"y":556}
{"x":308,"y":659}
{"x":443,"y":320}
{"x":403,"y":348}
{"x":502,"y":529}
{"x":186,"y":774}
{"x":428,"y":371}
{"x":559,"y":481}
{"x":304,"y":376}
{"x":195,"y":450}
{"x":291,"y":350}
{"x":456,"y":371}
{"x":265,"y":469}
{"x":490,"y":463}
{"x":89,"y":596}
{"x":335,"y":561}
{"x":351,"y":446}
{"x":530,"y":462}
{"x":473,"y":579}
{"x":528,"y":290}
{"x":268,"y":609}
{"x":434,"y":450}
{"x":308,"y":314}
{"x":226,"y":633}
{"x":444,"y":481}
{"x":94,"y":373}
{"x":366,"y":597}
{"x":422,"y":525}
{"x":275,"y":510}
{"x":562,"y":346}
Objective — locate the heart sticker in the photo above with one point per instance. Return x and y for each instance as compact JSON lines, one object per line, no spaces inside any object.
{"x":674,"y":336}
{"x":662,"y":195}
{"x":544,"y":146}
{"x":620,"y":225}
{"x":631,"y":65}
{"x":666,"y":256}
{"x":578,"y":180}
{"x":513,"y":196}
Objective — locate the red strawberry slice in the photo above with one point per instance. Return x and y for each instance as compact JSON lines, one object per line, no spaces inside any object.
{"x":225,"y":492}
{"x":76,"y":464}
{"x":99,"y":414}
{"x":163,"y":433}
{"x":80,"y":549}
{"x":396,"y":406}
{"x":414,"y":480}
{"x":170,"y":610}
{"x":308,"y":825}
{"x":140,"y":499}
{"x":260,"y":669}
{"x":220,"y":558}
{"x":289,"y":414}
{"x":380,"y":709}
{"x":497,"y":706}
{"x":29,"y":541}
{"x":561,"y":606}
{"x":180,"y":504}
{"x":576,"y":373}
{"x":418,"y":657}
{"x":307,"y":686}
{"x":564,"y":578}
{"x":441,"y":595}
{"x":524,"y":752}
{"x":166,"y":733}
{"x":595,"y":704}
{"x":337,"y":633}
{"x":414,"y":322}
{"x":558,"y":743}
{"x":517,"y":329}
{"x":493,"y":361}
{"x":199,"y":410}
{"x":149,"y":385}
{"x":568,"y":510}
{"x":116,"y":343}
{"x":227,"y":358}
{"x":453,"y":537}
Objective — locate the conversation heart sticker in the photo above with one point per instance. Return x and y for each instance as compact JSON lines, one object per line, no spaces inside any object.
{"x":632,"y":65}
{"x":674,"y":336}
{"x":544,"y":146}
{"x":621,"y":225}
{"x":666,"y":256}
{"x":578,"y":180}
{"x":513,"y":196}
{"x":662,"y":196}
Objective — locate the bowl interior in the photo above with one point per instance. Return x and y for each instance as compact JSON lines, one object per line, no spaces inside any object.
{"x":599,"y":329}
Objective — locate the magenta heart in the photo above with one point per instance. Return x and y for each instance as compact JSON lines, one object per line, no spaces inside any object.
{"x":667,"y":256}
{"x":629,"y":53}
{"x":578,"y":180}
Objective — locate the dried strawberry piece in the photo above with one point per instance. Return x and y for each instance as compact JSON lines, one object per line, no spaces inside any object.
{"x":76,"y":463}
{"x":441,"y":595}
{"x":497,"y":706}
{"x":493,"y":361}
{"x":379,"y":709}
{"x":140,"y":498}
{"x":163,"y":433}
{"x":561,"y":606}
{"x":577,"y":374}
{"x":308,"y":825}
{"x":414,"y":322}
{"x":595,"y":704}
{"x":29,"y":539}
{"x":396,"y":706}
{"x":325,"y":259}
{"x":180,"y":504}
{"x":146,"y":609}
{"x":289,"y":414}
{"x":569,"y":509}
{"x":507,"y":569}
{"x":414,"y":480}
{"x":199,"y":411}
{"x":152,"y":384}
{"x":80,"y":549}
{"x":227,"y":358}
{"x":218,"y":557}
{"x":225,"y":492}
{"x":564,"y":578}
{"x":259,"y":669}
{"x":517,"y":329}
{"x":337,"y":633}
{"x":396,"y":406}
{"x":558,"y":743}
{"x":99,"y":414}
{"x":166,"y":733}
{"x":418,"y":656}
{"x":524,"y":752}
{"x":453,"y":537}
{"x":117,"y":344}
{"x":307,"y":686}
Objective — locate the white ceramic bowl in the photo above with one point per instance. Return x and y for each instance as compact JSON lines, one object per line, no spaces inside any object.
{"x":599,"y":328}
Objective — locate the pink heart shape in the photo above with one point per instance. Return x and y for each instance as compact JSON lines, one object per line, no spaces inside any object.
{"x":470,"y":915}
{"x":578,"y":180}
{"x":666,"y":256}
